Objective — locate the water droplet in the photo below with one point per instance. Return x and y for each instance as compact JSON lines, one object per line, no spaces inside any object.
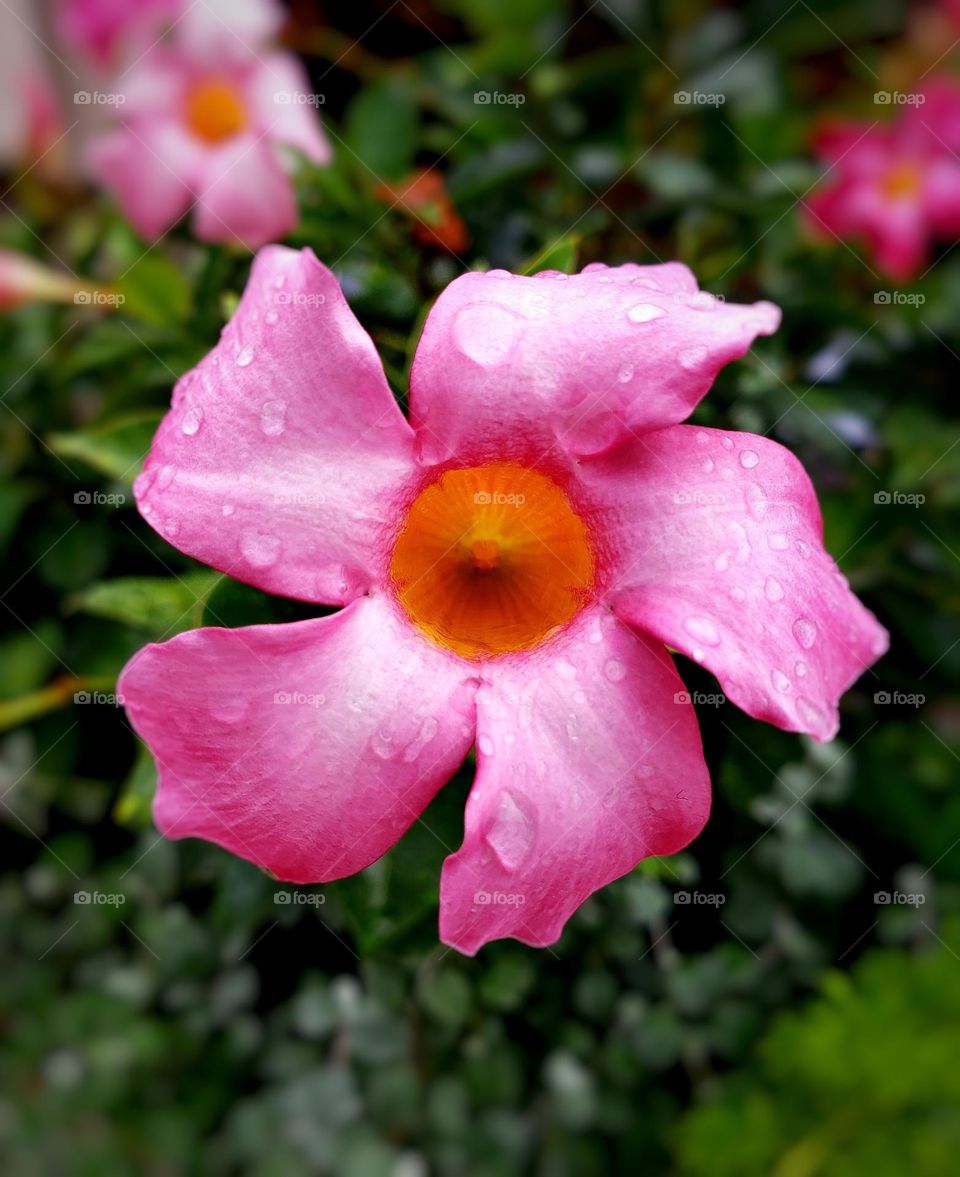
{"x":171,"y":527}
{"x":644,"y":312}
{"x":800,"y":669}
{"x":259,"y":548}
{"x":780,"y":681}
{"x":566,"y":669}
{"x":165,"y":477}
{"x":702,"y":437}
{"x":756,"y":500}
{"x":803,"y":549}
{"x":382,"y":744}
{"x":693,"y":357}
{"x":707,"y":466}
{"x":271,"y":317}
{"x":428,"y":729}
{"x":739,"y":533}
{"x":703,"y":629}
{"x":625,"y":375}
{"x":485,"y":332}
{"x":614,"y":670}
{"x":573,"y":732}
{"x":773,"y":589}
{"x":244,"y":357}
{"x":697,"y":654}
{"x":805,"y":632}
{"x":810,"y":714}
{"x":778,"y":541}
{"x":272,"y":416}
{"x":748,"y":459}
{"x":279,"y":281}
{"x":579,"y":697}
{"x":727,"y":443}
{"x":722,"y":562}
{"x":511,"y":835}
{"x":192,"y":420}
{"x":485,"y":745}
{"x":227,"y":509}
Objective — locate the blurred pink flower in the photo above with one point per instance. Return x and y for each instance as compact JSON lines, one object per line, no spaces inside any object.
{"x":895,"y":186}
{"x":209,"y":129}
{"x":25,"y":280}
{"x":511,"y":562}
{"x":110,"y":31}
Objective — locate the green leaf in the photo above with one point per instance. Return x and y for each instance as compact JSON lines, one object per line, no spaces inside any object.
{"x":158,"y":605}
{"x":557,"y":255}
{"x":381,"y":128}
{"x":156,"y":291}
{"x":116,"y":448}
{"x":136,"y":793}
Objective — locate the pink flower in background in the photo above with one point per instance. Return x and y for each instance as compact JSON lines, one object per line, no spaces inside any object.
{"x":896,"y":186}
{"x":24,"y":280}
{"x":203,"y":120}
{"x":111,"y":31}
{"x":511,"y":564}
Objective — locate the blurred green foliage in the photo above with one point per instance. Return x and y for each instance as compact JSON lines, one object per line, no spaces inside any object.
{"x":201,"y":1024}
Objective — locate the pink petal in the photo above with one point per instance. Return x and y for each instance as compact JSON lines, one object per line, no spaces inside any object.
{"x":275,"y":93}
{"x":150,"y":167}
{"x":718,"y":552}
{"x":246,"y":197}
{"x":306,"y":748}
{"x":588,"y":760}
{"x":283,"y":456}
{"x":509,"y":365}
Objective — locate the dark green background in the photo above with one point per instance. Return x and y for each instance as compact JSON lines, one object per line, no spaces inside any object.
{"x":801,"y":1029}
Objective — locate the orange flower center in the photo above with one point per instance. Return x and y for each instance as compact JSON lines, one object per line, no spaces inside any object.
{"x":903,"y":180}
{"x":215,"y":110}
{"x":491,"y":559}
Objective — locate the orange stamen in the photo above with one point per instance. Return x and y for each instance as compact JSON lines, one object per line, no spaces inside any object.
{"x":215,"y":111}
{"x":491,"y":559}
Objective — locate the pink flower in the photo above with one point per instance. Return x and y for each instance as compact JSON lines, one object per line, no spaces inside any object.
{"x":107,"y":31}
{"x":214,"y":129}
{"x":510,"y":564}
{"x":897,"y":187}
{"x":24,"y":280}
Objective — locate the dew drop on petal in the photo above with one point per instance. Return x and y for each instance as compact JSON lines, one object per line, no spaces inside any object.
{"x":703,"y":629}
{"x":778,"y":541}
{"x":780,"y":681}
{"x":259,"y":548}
{"x":722,"y":562}
{"x":805,"y":632}
{"x":644,"y":312}
{"x":227,"y":509}
{"x":692,"y":358}
{"x":272,"y":417}
{"x":748,"y":459}
{"x":566,"y":669}
{"x":485,"y":745}
{"x":707,"y":466}
{"x":810,"y":714}
{"x":800,"y":669}
{"x":614,"y":670}
{"x":773,"y":589}
{"x":244,"y":357}
{"x":171,"y":528}
{"x":165,"y":477}
{"x":756,"y":500}
{"x":727,"y":443}
{"x":512,"y":832}
{"x":192,"y":420}
{"x":625,"y":375}
{"x":271,"y":317}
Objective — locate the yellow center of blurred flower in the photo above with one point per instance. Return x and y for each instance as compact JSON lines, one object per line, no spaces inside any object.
{"x":902,"y":181}
{"x":490,"y":559}
{"x":215,"y":111}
